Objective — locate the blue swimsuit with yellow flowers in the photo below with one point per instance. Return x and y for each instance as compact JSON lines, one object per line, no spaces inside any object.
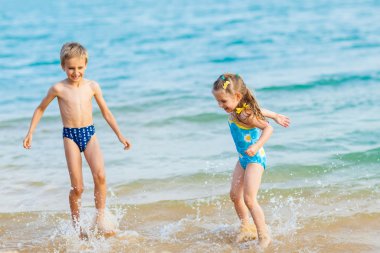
{"x":243,"y":138}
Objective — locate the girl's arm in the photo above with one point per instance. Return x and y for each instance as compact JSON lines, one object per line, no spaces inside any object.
{"x":278,"y":118}
{"x":267,"y":131}
{"x":108,"y":116}
{"x":37,"y":115}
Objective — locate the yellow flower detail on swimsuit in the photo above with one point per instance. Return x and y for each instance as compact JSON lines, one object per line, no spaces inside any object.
{"x":240,"y":109}
{"x":247,"y":138}
{"x":225,"y":84}
{"x":262,"y":152}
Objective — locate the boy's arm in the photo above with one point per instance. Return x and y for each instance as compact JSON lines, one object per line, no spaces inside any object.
{"x":108,"y":116}
{"x":37,"y":115}
{"x":278,"y":118}
{"x":267,"y":131}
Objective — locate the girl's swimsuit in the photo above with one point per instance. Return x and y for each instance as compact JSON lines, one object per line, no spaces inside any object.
{"x":243,"y":138}
{"x":81,"y":136}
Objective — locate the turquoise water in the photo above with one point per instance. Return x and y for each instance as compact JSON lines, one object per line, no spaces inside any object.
{"x":315,"y":61}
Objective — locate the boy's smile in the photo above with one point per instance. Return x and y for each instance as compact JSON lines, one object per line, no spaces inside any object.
{"x":75,"y":68}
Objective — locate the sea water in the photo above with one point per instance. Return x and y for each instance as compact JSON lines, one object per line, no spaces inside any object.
{"x":314,"y":61}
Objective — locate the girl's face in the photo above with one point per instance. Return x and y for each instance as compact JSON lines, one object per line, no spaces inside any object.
{"x":227,"y":101}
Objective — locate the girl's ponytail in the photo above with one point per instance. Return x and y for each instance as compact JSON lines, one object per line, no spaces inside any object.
{"x":253,"y":104}
{"x":249,"y":101}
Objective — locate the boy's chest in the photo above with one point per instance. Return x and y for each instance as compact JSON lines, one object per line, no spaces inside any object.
{"x":76,"y":96}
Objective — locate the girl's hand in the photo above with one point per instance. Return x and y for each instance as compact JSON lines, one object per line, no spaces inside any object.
{"x":125,"y":142}
{"x":282,"y":120}
{"x":27,"y":143}
{"x":252,"y":150}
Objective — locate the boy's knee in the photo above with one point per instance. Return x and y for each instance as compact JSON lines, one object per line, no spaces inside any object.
{"x":100,"y":178}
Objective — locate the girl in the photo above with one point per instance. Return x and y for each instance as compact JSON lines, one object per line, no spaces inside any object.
{"x":250,"y":131}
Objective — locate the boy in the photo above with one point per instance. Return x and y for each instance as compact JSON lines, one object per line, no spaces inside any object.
{"x":74,"y":96}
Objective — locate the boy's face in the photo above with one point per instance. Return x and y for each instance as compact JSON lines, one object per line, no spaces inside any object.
{"x":75,"y":68}
{"x":227,"y":101}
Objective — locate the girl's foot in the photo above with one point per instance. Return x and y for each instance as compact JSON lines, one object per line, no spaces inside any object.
{"x":246,"y":233}
{"x":264,"y":239}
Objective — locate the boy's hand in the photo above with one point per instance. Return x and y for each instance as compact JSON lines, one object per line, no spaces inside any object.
{"x":282,"y":120}
{"x":27,"y":143}
{"x":125,"y":142}
{"x":252,"y":150}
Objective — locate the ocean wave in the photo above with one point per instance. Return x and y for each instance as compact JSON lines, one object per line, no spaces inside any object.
{"x":44,"y":63}
{"x":195,"y":226}
{"x":286,"y":180}
{"x":190,"y":180}
{"x":231,"y":59}
{"x":25,"y":120}
{"x":287,"y":172}
{"x":365,"y":45}
{"x":201,"y":118}
{"x":25,"y":38}
{"x":362,"y":157}
{"x":325,"y":81}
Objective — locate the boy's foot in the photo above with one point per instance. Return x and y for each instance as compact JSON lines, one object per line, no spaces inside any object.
{"x":101,"y":232}
{"x":105,"y":226}
{"x":83,"y":235}
{"x":246,"y":233}
{"x":104,"y":233}
{"x":264,"y":240}
{"x":81,"y":232}
{"x":107,"y":234}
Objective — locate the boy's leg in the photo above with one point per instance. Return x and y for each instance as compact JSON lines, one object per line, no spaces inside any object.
{"x":95,"y":160}
{"x":252,"y":181}
{"x":74,"y":165}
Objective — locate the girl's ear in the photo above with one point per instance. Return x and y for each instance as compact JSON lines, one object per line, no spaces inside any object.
{"x":238,"y":96}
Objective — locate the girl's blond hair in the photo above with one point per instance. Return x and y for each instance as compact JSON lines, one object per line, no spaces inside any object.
{"x":233,"y":83}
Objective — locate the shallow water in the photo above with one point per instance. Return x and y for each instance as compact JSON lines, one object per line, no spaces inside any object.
{"x":316,"y":62}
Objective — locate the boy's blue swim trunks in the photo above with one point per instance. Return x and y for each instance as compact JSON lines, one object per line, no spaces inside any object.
{"x":243,"y":138}
{"x":81,"y":136}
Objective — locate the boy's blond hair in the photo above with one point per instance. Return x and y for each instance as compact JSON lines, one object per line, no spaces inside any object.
{"x":73,"y":49}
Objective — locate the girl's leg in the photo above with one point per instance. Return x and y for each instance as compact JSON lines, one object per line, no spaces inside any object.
{"x":74,"y":165}
{"x":236,"y":194}
{"x":252,"y":181}
{"x":95,"y":160}
{"x":247,"y":231}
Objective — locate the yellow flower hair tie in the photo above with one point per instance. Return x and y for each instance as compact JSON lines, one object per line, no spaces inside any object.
{"x":225,"y":84}
{"x":240,"y":109}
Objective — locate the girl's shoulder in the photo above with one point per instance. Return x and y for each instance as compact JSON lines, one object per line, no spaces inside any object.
{"x":242,"y":119}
